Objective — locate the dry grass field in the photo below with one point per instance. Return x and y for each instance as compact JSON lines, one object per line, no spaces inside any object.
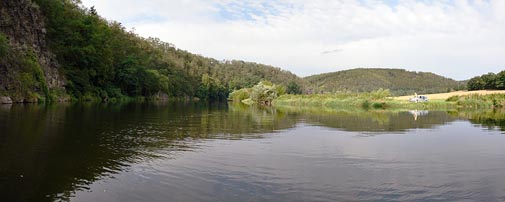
{"x":443,"y":96}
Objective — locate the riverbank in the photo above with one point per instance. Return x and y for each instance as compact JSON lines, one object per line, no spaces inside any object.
{"x":444,"y":96}
{"x":380,"y":100}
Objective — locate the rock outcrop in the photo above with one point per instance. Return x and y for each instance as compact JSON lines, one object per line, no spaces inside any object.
{"x":23,"y":25}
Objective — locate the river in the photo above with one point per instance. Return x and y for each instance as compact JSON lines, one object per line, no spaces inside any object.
{"x":195,"y":152}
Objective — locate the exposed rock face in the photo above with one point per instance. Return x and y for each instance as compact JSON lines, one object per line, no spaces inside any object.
{"x":23,"y":24}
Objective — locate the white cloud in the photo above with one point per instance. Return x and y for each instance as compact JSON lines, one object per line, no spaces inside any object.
{"x":458,"y":39}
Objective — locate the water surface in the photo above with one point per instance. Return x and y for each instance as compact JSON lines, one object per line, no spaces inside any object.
{"x":194,"y":152}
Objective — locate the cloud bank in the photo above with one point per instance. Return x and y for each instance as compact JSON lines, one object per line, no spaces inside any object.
{"x":454,"y":38}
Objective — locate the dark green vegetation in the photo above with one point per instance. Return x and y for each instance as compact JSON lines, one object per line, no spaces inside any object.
{"x":489,"y":81}
{"x":101,"y":60}
{"x":399,"y":81}
{"x":28,"y":80}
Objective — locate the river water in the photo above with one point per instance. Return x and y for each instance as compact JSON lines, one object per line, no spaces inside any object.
{"x":195,"y":152}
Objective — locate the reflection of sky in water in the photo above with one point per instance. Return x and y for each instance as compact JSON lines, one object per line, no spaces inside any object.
{"x":309,"y":163}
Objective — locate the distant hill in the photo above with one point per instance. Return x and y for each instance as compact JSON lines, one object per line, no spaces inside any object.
{"x":399,"y":81}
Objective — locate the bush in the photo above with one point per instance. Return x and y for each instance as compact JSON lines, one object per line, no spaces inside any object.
{"x":262,"y":93}
{"x":453,"y":98}
{"x":239,"y":95}
{"x":365,"y":104}
{"x":379,"y":105}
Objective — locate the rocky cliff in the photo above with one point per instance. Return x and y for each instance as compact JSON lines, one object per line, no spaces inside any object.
{"x":28,"y":69}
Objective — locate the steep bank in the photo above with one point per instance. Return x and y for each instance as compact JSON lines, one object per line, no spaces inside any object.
{"x":28,"y":69}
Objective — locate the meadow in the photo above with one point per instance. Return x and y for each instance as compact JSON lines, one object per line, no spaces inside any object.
{"x":381,"y":99}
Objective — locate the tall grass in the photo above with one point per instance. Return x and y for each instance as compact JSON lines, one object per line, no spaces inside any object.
{"x":479,"y":101}
{"x":380,"y":100}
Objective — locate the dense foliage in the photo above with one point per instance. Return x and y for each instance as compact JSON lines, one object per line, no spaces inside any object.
{"x":490,"y":81}
{"x":262,"y":93}
{"x":399,"y":81}
{"x":101,"y":59}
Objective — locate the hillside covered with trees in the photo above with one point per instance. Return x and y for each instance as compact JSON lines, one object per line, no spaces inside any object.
{"x":101,"y":60}
{"x":54,"y":49}
{"x":399,"y":81}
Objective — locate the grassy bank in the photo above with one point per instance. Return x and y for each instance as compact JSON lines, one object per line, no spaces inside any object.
{"x":476,"y":101}
{"x":379,"y":100}
{"x":444,"y":96}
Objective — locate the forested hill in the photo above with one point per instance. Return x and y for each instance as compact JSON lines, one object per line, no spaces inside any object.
{"x":79,"y":53}
{"x":399,"y":81}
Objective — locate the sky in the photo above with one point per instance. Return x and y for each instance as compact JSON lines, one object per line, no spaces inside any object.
{"x":458,"y":39}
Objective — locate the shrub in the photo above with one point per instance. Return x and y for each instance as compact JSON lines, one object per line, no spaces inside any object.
{"x":239,"y":95}
{"x":453,"y":98}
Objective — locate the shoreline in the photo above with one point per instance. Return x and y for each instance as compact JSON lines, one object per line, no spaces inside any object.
{"x":368,"y":101}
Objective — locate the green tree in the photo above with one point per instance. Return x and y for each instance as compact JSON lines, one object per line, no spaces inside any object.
{"x":489,"y":80}
{"x":500,"y":80}
{"x":262,"y":93}
{"x":293,"y":88}
{"x":475,"y":83}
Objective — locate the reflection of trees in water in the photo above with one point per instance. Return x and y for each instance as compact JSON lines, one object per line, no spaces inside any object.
{"x":392,"y":121}
{"x":374,"y":121}
{"x":489,"y":119}
{"x":58,"y":149}
{"x":49,"y":151}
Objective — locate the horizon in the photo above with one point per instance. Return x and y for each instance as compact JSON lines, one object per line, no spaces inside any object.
{"x":454,"y":39}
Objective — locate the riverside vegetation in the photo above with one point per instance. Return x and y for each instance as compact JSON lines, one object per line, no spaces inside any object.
{"x":266,"y":93}
{"x":381,"y":99}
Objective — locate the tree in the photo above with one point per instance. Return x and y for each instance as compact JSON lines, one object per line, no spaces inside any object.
{"x":293,"y":88}
{"x":500,"y":80}
{"x":262,"y":93}
{"x":489,"y":80}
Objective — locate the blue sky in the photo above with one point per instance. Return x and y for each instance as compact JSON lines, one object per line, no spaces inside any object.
{"x":455,"y":38}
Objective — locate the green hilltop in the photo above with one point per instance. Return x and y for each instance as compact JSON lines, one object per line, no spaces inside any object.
{"x":399,"y":81}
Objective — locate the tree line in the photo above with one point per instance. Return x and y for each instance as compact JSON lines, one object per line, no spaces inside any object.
{"x":102,"y":60}
{"x":489,"y":81}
